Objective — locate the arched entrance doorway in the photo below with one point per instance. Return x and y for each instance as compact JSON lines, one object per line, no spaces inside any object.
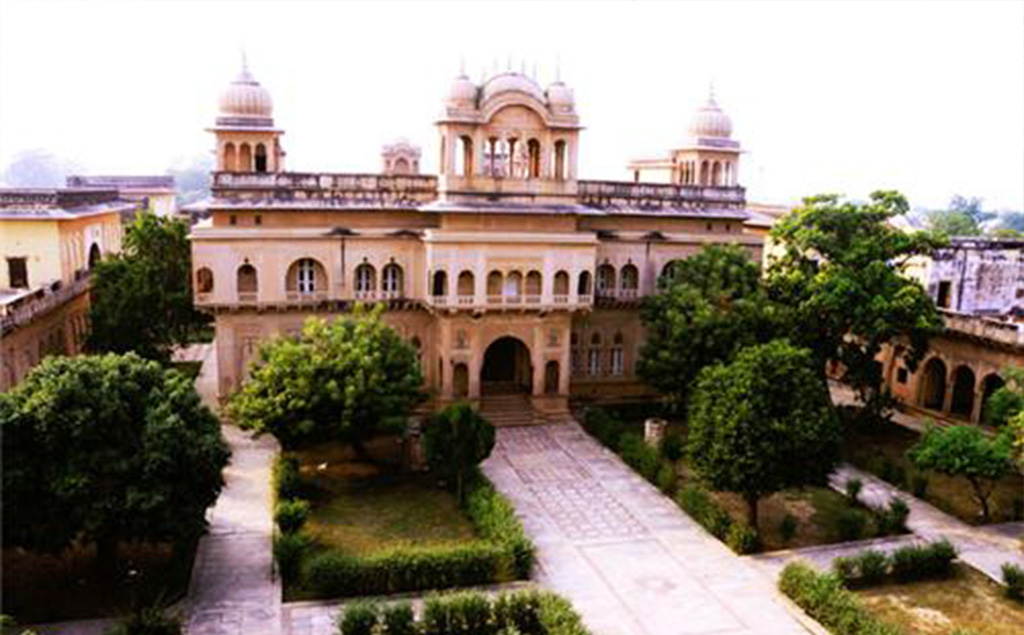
{"x":963,"y":392}
{"x":933,"y":384}
{"x":506,"y":368}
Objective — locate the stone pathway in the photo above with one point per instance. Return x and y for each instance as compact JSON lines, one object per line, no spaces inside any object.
{"x":984,"y":548}
{"x":233,"y":591}
{"x":629,"y":560}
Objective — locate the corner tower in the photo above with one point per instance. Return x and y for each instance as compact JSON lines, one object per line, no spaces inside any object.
{"x":247,"y":140}
{"x":508,"y":140}
{"x":711,"y":156}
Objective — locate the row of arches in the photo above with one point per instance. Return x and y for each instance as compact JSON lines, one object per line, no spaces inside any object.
{"x":308,"y":276}
{"x":506,"y":368}
{"x":510,"y":157}
{"x":955,"y":393}
{"x":708,"y":173}
{"x":245,"y":158}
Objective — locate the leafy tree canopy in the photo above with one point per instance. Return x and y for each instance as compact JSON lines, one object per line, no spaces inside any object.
{"x":457,"y":439}
{"x":840,"y":280}
{"x":106,"y":448}
{"x":142,"y":298}
{"x":711,"y":305}
{"x":966,"y":451}
{"x":763,"y":423}
{"x":344,"y":380}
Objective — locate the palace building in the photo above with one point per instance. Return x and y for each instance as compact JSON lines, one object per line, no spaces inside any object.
{"x":517,"y":281}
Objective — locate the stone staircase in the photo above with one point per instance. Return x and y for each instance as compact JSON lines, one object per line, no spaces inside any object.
{"x":509,"y":410}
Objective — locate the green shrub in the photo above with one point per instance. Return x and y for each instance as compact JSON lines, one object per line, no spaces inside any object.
{"x":893,"y":519}
{"x":398,"y":619}
{"x":853,"y":488}
{"x":288,"y":552}
{"x":147,"y":620}
{"x":845,"y":568}
{"x":287,"y":483}
{"x":741,"y":538}
{"x":495,"y":520}
{"x":557,"y":617}
{"x":850,"y":524}
{"x":521,"y":611}
{"x":1013,"y":578}
{"x":603,"y":426}
{"x":360,"y":618}
{"x":787,"y":527}
{"x":636,"y":453}
{"x":666,"y":480}
{"x":872,"y":565}
{"x":399,"y":570}
{"x":697,"y":503}
{"x":291,"y":514}
{"x":672,"y":446}
{"x":824,"y":599}
{"x":918,"y":562}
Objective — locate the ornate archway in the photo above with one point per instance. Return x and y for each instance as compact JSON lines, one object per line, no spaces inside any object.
{"x":506,"y":368}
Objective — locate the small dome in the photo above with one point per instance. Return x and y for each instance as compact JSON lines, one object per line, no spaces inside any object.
{"x":560,"y":97}
{"x":244,"y":97}
{"x":462,"y":92}
{"x":511,"y":82}
{"x":710,"y":121}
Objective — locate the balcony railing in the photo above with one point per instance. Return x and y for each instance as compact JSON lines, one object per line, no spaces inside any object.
{"x":248,"y":297}
{"x":26,"y":308}
{"x":657,"y":195}
{"x":1007,"y":333}
{"x":307,"y":296}
{"x":351,"y":189}
{"x":512,"y":301}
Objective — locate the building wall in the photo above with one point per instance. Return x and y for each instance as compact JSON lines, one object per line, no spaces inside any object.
{"x":62,"y":331}
{"x":37,"y":242}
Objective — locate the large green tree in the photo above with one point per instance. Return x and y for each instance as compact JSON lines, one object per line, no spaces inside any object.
{"x":106,"y":449}
{"x":343,"y":380}
{"x":457,"y":439}
{"x":967,"y":452}
{"x":840,"y":280}
{"x":762,"y":423}
{"x":142,"y":298}
{"x":710,"y":306}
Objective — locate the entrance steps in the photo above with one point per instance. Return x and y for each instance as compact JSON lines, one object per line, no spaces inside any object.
{"x":509,"y":410}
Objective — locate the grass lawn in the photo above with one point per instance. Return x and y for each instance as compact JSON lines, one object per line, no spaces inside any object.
{"x":883,"y":453}
{"x":359,"y":507}
{"x":49,"y":589}
{"x":967,"y":601}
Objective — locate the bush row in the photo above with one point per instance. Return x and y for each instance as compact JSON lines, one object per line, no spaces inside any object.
{"x":699,"y":505}
{"x":825,"y":599}
{"x":906,"y":564}
{"x":467,"y":613}
{"x":852,"y":522}
{"x":495,"y":521}
{"x":1013,"y":578}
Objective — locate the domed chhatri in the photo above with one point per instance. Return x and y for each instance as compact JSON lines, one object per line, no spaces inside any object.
{"x":710,"y":121}
{"x":462,"y":93}
{"x":510,"y":81}
{"x":560,"y":97}
{"x":246,"y":101}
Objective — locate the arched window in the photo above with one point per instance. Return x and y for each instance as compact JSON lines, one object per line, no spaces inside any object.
{"x":594,"y":355}
{"x":668,"y":272}
{"x":716,"y":174}
{"x":495,"y":281}
{"x":466,"y":155}
{"x":305,"y":276}
{"x":230,"y":157}
{"x":94,"y":255}
{"x":204,"y":280}
{"x":606,"y":280}
{"x":513,"y":285}
{"x":245,"y":158}
{"x":533,"y":147}
{"x":574,"y":354}
{"x":366,"y":280}
{"x":704,"y":173}
{"x":439,"y":285}
{"x":630,"y":279}
{"x":466,"y":285}
{"x":615,"y":356}
{"x":261,"y":158}
{"x":963,"y":392}
{"x":932,"y":390}
{"x":583,"y":285}
{"x":728,"y":173}
{"x":392,"y":280}
{"x":560,"y":147}
{"x":551,"y":378}
{"x":247,"y":281}
{"x":561,"y":286}
{"x":400,"y":166}
{"x":533,"y":284}
{"x":306,"y":281}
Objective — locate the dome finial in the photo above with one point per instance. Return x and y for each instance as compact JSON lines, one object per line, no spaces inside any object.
{"x":462,"y":66}
{"x":711,"y":90}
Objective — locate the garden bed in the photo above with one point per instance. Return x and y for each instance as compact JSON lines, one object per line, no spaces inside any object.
{"x":965,"y":602}
{"x":39,"y":588}
{"x":881,"y":450}
{"x":374,"y":530}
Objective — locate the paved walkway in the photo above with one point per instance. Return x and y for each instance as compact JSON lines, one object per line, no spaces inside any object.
{"x":984,"y":548}
{"x":232,"y":591}
{"x":629,"y":560}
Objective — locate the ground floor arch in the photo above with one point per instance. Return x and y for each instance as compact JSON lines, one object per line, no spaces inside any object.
{"x":933,"y":384}
{"x":963,"y":392}
{"x":506,"y":367}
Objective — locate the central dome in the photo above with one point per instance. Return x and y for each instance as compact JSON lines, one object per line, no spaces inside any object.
{"x":244,"y":97}
{"x":710,"y":121}
{"x":512,"y":82}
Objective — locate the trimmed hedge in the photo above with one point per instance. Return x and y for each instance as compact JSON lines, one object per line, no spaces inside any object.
{"x":286,"y":481}
{"x":1013,"y":578}
{"x":824,"y":598}
{"x":907,"y":564}
{"x":698,"y":504}
{"x":470,"y":613}
{"x":495,"y":520}
{"x":291,"y":514}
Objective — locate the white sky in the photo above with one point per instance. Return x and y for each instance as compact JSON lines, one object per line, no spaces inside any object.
{"x":925,"y":97}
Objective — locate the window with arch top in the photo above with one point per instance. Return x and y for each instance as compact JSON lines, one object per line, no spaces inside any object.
{"x":392,"y":279}
{"x":366,"y":278}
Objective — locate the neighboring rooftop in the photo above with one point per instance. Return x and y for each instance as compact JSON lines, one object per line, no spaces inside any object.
{"x":123,"y":183}
{"x":59,"y":203}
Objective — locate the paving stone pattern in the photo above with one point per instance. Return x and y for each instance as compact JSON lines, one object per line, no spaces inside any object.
{"x":625,"y":555}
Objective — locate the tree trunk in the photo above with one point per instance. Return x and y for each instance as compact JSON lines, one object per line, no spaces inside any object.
{"x":752,"y":500}
{"x":982,"y":497}
{"x":106,"y":555}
